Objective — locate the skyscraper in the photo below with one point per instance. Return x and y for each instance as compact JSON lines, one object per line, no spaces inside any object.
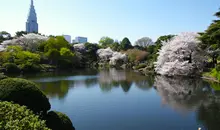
{"x":31,"y":24}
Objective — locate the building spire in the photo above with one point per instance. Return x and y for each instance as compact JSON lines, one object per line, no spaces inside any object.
{"x":32,"y":3}
{"x":31,"y":24}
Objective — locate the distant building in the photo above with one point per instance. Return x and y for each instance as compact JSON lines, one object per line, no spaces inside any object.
{"x":68,"y":38}
{"x":81,"y":40}
{"x":31,"y":24}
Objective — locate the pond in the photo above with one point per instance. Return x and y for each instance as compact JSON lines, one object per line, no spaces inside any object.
{"x":125,"y":100}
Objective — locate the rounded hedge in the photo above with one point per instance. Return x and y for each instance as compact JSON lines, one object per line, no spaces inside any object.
{"x":11,"y":68}
{"x":58,"y":121}
{"x":24,"y":92}
{"x":16,"y":117}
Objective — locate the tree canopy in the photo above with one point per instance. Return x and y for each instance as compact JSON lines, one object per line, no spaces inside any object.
{"x":144,"y":42}
{"x":106,"y":41}
{"x":126,"y":44}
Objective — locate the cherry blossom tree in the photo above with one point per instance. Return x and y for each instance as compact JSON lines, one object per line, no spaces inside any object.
{"x":180,"y":56}
{"x":28,"y":42}
{"x":107,"y":55}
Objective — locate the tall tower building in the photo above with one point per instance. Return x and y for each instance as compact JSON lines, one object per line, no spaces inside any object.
{"x":31,"y":24}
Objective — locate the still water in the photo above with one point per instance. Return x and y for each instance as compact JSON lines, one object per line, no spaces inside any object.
{"x":125,"y":100}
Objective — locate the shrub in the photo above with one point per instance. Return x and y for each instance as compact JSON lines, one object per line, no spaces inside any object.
{"x":11,"y":68}
{"x":16,"y":117}
{"x":2,"y":76}
{"x":28,"y":67}
{"x":58,"y":121}
{"x":142,"y":65}
{"x":65,"y":64}
{"x":135,"y":55}
{"x":217,"y":67}
{"x":24,"y":92}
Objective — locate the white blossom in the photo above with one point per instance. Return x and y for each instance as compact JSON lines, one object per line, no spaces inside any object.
{"x":180,"y":56}
{"x":29,"y":41}
{"x":111,"y":56}
{"x":79,"y":47}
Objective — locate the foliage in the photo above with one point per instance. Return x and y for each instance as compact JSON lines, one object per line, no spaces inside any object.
{"x":144,"y":42}
{"x":16,"y":117}
{"x":91,"y":50}
{"x":211,"y":39}
{"x":4,"y":36}
{"x":29,"y":42}
{"x":30,"y":68}
{"x":164,"y":38}
{"x":24,"y":92}
{"x":66,"y":53}
{"x":135,"y":55}
{"x":2,"y":76}
{"x":20,"y":33}
{"x":24,"y":59}
{"x":180,"y":56}
{"x":125,"y":44}
{"x":142,"y":65}
{"x":214,"y":73}
{"x":55,"y":43}
{"x":58,"y":121}
{"x":11,"y":68}
{"x":115,"y":46}
{"x":106,"y":42}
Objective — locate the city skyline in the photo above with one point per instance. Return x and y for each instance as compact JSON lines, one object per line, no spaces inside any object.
{"x":116,"y":19}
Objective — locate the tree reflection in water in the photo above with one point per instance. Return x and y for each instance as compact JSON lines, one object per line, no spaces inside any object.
{"x":186,"y":95}
{"x":57,"y":88}
{"x":113,"y":78}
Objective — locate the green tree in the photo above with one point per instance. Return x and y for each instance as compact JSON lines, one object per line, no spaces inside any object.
{"x":106,"y":42}
{"x":66,"y":53}
{"x":115,"y":46}
{"x":4,"y":36}
{"x":55,"y":43}
{"x":211,"y":39}
{"x":164,"y":38}
{"x":91,"y":50}
{"x":53,"y":55}
{"x":126,"y":44}
{"x":20,"y":33}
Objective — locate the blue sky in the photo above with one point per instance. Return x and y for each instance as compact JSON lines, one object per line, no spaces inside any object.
{"x":114,"y":18}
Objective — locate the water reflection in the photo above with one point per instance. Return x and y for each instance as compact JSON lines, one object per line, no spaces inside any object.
{"x":58,"y":85}
{"x":109,"y":79}
{"x":56,"y":89}
{"x":209,"y":115}
{"x":186,"y":95}
{"x":192,"y":96}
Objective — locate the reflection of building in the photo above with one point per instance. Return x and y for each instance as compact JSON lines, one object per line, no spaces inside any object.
{"x":31,"y":24}
{"x":80,"y":40}
{"x":67,"y":38}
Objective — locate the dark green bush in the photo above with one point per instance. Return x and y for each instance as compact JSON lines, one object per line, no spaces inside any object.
{"x":28,"y":67}
{"x":217,"y":67}
{"x":58,"y":121}
{"x":16,"y":117}
{"x":24,"y":92}
{"x":11,"y":68}
{"x":65,"y":64}
{"x":2,"y":76}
